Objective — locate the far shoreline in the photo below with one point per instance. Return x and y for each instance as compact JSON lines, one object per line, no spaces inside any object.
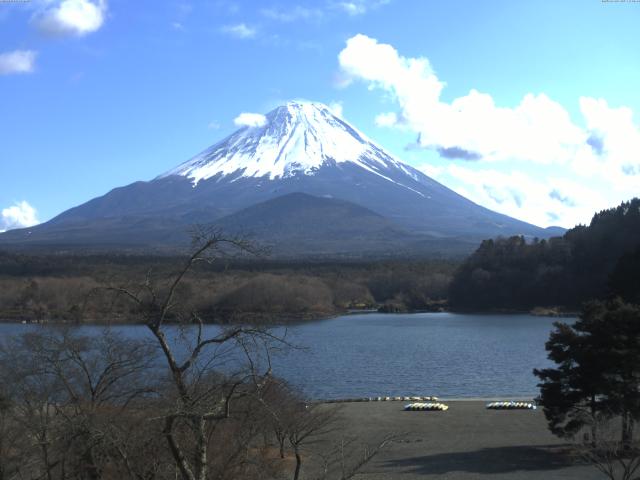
{"x":294,"y":320}
{"x":504,"y":398}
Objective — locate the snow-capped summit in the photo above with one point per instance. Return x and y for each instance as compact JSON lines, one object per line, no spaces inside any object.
{"x":297,"y":138}
{"x":303,"y":181}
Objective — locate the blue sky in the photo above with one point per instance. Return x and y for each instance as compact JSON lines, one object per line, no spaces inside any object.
{"x":529,"y":108}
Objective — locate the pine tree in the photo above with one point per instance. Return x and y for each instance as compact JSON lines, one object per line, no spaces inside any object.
{"x":597,"y":371}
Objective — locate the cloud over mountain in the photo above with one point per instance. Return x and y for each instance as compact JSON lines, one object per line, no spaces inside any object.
{"x":18,"y":215}
{"x":537,"y":129}
{"x":246,"y":119}
{"x":537,"y":133}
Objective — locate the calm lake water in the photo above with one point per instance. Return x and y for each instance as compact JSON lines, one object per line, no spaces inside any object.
{"x":442,"y":354}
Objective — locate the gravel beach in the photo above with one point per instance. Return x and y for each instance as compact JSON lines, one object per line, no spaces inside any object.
{"x":466,"y":442}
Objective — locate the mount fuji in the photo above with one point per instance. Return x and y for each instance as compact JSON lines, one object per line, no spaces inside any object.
{"x":304,"y":181}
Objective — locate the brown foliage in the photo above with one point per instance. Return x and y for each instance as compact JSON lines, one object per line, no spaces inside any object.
{"x":73,"y":289}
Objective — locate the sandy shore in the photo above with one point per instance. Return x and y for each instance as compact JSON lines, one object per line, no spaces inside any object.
{"x":465,"y":442}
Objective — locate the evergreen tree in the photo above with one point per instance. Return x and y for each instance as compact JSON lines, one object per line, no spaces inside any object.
{"x":570,"y":393}
{"x":625,"y":278}
{"x":597,"y":370}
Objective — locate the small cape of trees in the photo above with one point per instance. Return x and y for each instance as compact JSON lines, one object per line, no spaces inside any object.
{"x":586,"y":263}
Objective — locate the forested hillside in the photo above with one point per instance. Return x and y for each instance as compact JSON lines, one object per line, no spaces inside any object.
{"x":588,"y":262}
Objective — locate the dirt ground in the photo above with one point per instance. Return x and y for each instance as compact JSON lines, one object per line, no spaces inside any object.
{"x":466,"y":442}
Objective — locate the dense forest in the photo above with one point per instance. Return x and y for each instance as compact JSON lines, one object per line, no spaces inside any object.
{"x":594,"y":261}
{"x":75,"y":288}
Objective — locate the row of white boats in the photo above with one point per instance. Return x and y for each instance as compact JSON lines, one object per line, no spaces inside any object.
{"x":441,"y":407}
{"x":511,"y":406}
{"x":426,"y":407}
{"x":385,"y":399}
{"x":430,"y":403}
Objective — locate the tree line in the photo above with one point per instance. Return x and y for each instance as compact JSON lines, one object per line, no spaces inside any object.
{"x":36,"y":288}
{"x":588,"y":262}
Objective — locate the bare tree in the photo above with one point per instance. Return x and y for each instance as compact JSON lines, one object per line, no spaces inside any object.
{"x":345,"y":458}
{"x":203,"y":397}
{"x":10,"y":451}
{"x":69,"y":395}
{"x":306,"y":423}
{"x":310,"y":430}
{"x":617,"y":459}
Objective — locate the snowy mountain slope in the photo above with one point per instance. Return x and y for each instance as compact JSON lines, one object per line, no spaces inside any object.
{"x":297,"y":138}
{"x":302,"y":147}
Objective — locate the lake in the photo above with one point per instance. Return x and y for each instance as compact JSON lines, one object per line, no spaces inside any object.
{"x":442,"y":354}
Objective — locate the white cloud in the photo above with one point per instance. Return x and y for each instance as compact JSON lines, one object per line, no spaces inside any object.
{"x":541,"y":201}
{"x":537,"y":129}
{"x":336,"y":108}
{"x":239,"y":30}
{"x":359,"y":7}
{"x":353,"y":8}
{"x":389,"y":119}
{"x":19,"y":215}
{"x":213,"y":126}
{"x":250,"y":120}
{"x":292,"y":14}
{"x":617,"y":137}
{"x":603,"y":154}
{"x":17,"y":61}
{"x":329,"y":8}
{"x":72,"y":17}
